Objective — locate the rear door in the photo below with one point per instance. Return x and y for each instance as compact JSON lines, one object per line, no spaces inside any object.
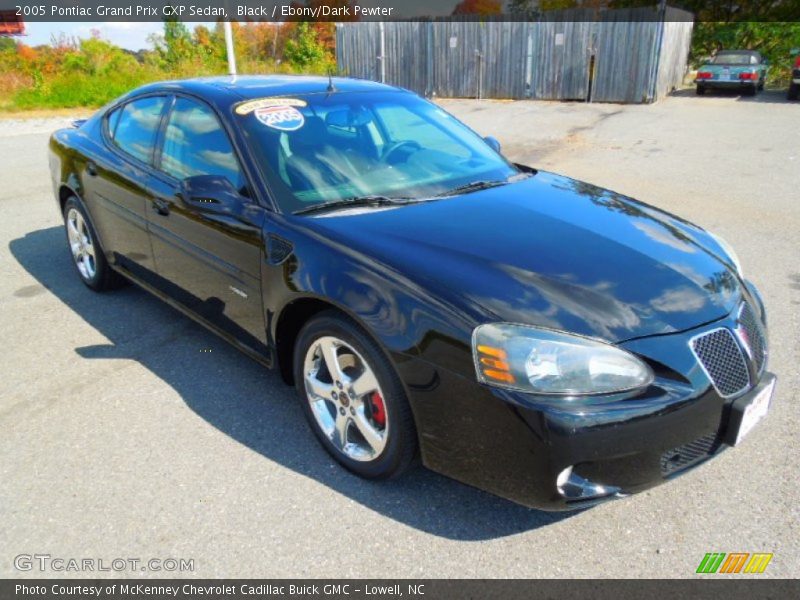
{"x":208,"y":262}
{"x":117,"y":182}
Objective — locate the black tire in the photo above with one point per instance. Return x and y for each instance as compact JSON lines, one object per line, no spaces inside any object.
{"x":750,"y":90}
{"x":401,"y":442}
{"x":794,"y":91}
{"x":700,"y":90}
{"x":104,"y":277}
{"x":761,"y":85}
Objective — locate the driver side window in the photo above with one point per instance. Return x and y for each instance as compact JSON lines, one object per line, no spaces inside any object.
{"x":402,"y":124}
{"x":196,"y":144}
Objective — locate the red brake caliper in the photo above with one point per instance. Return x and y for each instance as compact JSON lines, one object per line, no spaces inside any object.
{"x":378,"y":409}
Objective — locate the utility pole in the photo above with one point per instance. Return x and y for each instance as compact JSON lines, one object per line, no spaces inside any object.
{"x":229,"y":48}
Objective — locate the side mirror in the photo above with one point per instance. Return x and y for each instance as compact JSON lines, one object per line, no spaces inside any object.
{"x":493,"y":143}
{"x":211,"y":193}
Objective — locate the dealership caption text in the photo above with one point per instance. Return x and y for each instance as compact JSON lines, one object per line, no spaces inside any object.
{"x":197,"y":10}
{"x":190,"y":589}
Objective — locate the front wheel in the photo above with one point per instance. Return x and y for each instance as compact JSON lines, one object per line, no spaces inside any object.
{"x":353,"y":398}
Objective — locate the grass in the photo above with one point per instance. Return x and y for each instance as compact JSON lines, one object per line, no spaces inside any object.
{"x":46,"y":113}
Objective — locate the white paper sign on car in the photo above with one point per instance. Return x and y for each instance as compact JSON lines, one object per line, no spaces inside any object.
{"x":755,"y":411}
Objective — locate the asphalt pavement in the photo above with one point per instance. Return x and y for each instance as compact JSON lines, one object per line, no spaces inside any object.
{"x":128,"y":431}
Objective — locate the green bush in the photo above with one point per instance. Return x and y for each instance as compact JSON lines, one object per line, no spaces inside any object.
{"x":304,"y":51}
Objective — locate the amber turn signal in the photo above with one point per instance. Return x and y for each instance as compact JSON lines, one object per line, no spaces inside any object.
{"x":493,"y":364}
{"x":495,"y":352}
{"x":499,"y":375}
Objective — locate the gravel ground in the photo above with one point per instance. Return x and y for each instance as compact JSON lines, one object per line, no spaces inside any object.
{"x":121,"y":435}
{"x":14,"y":127}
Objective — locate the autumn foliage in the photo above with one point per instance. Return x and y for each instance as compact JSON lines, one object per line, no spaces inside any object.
{"x":478,"y":7}
{"x":73,"y":72}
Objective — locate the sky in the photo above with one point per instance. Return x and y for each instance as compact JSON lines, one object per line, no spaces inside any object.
{"x":132,"y":36}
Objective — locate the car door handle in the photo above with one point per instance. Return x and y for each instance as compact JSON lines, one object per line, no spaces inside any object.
{"x":91,"y":169}
{"x":161,"y":206}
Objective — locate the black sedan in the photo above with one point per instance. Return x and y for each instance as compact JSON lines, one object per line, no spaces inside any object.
{"x":552,"y":342}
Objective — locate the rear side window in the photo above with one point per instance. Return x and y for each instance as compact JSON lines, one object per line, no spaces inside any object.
{"x":137,"y":125}
{"x":196,"y":144}
{"x":113,"y":119}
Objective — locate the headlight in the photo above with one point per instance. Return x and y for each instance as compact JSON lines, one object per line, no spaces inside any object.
{"x":543,"y":361}
{"x":728,"y":249}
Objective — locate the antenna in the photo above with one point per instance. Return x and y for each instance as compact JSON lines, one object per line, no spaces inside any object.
{"x":331,"y":87}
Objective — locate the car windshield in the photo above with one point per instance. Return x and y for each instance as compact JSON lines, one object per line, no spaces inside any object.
{"x":325,"y":148}
{"x":734,"y":59}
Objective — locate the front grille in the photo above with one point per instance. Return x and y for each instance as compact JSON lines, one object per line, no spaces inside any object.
{"x":722,"y":360}
{"x":752,"y":336}
{"x":679,"y":458}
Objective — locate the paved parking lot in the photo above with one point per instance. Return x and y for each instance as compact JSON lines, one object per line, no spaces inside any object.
{"x":128,"y":431}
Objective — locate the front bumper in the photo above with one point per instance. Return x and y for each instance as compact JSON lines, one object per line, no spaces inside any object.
{"x":568,"y":455}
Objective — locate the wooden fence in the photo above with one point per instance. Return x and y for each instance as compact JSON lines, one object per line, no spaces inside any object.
{"x":627,"y":56}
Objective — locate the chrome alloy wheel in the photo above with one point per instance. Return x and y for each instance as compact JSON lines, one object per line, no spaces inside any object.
{"x":345,"y":399}
{"x":80,"y":243}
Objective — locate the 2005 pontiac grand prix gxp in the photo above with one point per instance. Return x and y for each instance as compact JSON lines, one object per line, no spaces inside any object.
{"x":538,"y":337}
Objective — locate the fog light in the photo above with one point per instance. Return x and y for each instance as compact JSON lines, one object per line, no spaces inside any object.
{"x":572,"y":486}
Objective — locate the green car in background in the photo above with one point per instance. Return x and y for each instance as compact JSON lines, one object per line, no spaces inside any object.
{"x":743,"y":70}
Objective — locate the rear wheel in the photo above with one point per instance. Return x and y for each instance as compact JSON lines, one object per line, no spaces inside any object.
{"x":353,"y":398}
{"x":794,"y":91}
{"x":750,"y":90}
{"x":87,"y":254}
{"x":700,"y":90}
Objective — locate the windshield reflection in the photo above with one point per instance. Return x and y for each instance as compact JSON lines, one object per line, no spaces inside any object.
{"x":329,"y":147}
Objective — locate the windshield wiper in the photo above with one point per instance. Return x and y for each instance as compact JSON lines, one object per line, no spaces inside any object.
{"x":473,"y":186}
{"x":350,"y":202}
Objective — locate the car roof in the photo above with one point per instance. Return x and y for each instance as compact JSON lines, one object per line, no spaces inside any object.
{"x":226,"y":90}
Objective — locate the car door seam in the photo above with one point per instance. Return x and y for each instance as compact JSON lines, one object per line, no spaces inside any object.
{"x":194,"y":250}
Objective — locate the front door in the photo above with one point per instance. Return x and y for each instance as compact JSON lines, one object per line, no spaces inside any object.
{"x":208,"y":262}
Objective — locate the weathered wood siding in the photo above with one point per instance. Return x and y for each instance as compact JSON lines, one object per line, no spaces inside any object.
{"x":675,"y":46}
{"x":622,"y":58}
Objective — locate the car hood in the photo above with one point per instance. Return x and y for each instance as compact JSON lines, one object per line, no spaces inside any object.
{"x":553,"y":252}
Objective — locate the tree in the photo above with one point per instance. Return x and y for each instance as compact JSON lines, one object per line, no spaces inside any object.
{"x":773,"y":40}
{"x":728,"y":10}
{"x":304,"y":50}
{"x":523,"y":8}
{"x":175,"y":44}
{"x":478,"y":7}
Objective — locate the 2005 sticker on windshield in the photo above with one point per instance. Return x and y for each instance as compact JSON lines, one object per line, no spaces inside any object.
{"x":283,"y":118}
{"x":277,"y":113}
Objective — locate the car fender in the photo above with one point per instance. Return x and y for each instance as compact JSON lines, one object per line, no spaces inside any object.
{"x":66,"y":175}
{"x":405,"y":318}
